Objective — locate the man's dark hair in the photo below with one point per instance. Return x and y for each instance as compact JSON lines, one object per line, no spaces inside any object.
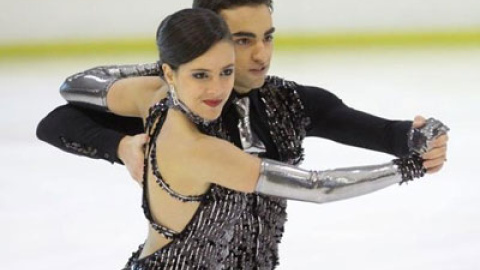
{"x":219,"y":5}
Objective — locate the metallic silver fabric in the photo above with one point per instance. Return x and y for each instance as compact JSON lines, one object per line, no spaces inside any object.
{"x":287,"y":181}
{"x":250,"y":142}
{"x":91,"y":86}
{"x":419,"y":139}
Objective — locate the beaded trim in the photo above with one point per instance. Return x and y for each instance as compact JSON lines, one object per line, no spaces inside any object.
{"x":164,"y":185}
{"x":213,"y":128}
{"x":286,"y":118}
{"x":410,"y":168}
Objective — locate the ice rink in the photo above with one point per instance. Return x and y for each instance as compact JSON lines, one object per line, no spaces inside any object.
{"x":59,"y":211}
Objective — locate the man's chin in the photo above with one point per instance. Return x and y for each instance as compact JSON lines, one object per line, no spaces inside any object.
{"x":253,"y":83}
{"x":257,"y":82}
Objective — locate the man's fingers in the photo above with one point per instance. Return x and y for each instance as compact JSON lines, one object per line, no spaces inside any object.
{"x":439,"y":142}
{"x":434,"y":169}
{"x":137,"y":174}
{"x":419,"y":121}
{"x":435,"y":153}
{"x":432,"y":163}
{"x":141,"y":138}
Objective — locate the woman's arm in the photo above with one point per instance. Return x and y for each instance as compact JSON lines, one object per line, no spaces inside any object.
{"x":221,"y":163}
{"x":91,"y":88}
{"x":124,"y":100}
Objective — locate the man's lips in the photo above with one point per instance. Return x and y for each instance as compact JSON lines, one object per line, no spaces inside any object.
{"x":212,"y":102}
{"x":258,"y":71}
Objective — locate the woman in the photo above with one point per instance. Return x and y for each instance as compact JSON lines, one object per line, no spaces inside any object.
{"x":197,"y":187}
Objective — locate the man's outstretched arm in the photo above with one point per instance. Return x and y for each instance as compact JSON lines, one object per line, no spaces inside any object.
{"x":332,"y":119}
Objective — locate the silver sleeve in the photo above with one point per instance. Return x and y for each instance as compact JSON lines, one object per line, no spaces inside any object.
{"x":290,"y":182}
{"x":89,"y":88}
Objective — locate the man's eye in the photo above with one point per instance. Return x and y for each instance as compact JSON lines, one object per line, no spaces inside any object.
{"x":227,"y":72}
{"x":242,"y":41}
{"x":269,"y":38}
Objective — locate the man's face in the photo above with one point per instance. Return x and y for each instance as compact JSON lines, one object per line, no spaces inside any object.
{"x":252,"y":31}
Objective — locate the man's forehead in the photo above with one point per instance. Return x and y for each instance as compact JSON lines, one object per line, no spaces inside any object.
{"x":252,"y":19}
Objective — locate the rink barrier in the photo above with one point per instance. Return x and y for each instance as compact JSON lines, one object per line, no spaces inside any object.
{"x":283,"y":42}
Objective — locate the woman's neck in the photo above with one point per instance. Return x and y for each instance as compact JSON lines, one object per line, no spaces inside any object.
{"x":178,"y":121}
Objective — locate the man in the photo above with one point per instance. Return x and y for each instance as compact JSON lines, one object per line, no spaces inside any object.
{"x":261,"y":123}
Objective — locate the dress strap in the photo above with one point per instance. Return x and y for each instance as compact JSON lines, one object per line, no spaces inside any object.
{"x":164,"y":185}
{"x":153,"y":125}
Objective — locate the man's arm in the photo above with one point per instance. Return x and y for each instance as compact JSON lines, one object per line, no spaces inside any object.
{"x":87,"y":132}
{"x":332,"y":119}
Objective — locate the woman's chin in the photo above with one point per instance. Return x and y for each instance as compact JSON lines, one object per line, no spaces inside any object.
{"x":211,"y":116}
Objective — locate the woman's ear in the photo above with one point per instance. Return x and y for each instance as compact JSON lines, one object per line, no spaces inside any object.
{"x":167,"y":73}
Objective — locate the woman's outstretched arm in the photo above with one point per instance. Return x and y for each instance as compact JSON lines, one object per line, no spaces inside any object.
{"x":230,"y":167}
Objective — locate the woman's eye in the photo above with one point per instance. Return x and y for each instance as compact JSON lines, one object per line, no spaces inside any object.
{"x":227,"y":72}
{"x":200,"y":75}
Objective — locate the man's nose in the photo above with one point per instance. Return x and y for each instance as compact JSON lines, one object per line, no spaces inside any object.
{"x":260,"y":53}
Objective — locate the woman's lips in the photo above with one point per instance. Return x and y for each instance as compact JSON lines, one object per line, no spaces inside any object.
{"x":212,"y":102}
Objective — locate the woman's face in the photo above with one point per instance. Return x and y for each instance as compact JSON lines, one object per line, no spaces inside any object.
{"x":205,"y":83}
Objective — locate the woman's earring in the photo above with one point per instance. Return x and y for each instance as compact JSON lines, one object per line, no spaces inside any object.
{"x":173,"y":94}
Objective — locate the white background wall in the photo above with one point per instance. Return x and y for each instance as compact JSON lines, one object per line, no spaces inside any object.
{"x":24,"y":20}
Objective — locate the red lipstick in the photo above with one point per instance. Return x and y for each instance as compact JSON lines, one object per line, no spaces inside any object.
{"x":212,"y":102}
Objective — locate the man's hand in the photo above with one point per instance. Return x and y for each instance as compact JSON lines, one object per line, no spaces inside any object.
{"x":436,"y":154}
{"x":131,"y":152}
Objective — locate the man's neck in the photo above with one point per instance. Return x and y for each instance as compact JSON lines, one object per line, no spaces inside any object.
{"x":242,"y":91}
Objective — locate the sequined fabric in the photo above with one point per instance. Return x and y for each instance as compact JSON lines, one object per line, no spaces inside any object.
{"x":261,"y":227}
{"x":205,"y":243}
{"x":233,"y":230}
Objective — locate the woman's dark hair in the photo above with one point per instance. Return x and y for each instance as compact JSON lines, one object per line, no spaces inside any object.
{"x":189,"y":33}
{"x":219,"y":5}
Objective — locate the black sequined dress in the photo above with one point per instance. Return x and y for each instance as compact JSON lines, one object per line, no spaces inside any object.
{"x":230,"y":230}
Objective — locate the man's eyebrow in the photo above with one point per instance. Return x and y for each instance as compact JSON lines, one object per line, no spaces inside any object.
{"x":252,"y":35}
{"x":244,"y":34}
{"x":270,"y":31}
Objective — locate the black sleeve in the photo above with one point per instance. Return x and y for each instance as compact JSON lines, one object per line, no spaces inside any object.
{"x":332,"y":119}
{"x":87,"y":132}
